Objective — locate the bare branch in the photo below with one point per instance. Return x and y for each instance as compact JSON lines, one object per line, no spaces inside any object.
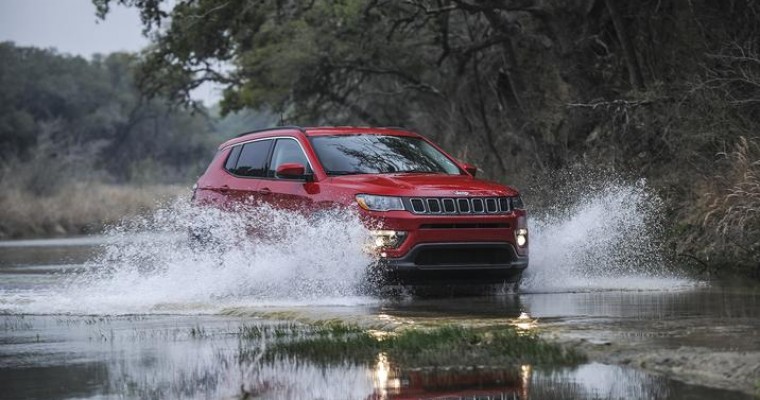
{"x":611,"y":104}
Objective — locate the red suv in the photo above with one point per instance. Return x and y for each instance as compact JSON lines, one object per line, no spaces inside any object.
{"x":431,"y":219}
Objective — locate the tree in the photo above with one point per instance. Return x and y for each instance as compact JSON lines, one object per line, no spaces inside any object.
{"x":522,"y":83}
{"x":66,"y":105}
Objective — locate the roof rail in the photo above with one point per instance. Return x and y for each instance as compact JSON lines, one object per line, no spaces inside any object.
{"x":274,"y":128}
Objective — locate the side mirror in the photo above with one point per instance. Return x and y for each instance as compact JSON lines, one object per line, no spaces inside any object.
{"x":471,"y":169}
{"x":291,"y":171}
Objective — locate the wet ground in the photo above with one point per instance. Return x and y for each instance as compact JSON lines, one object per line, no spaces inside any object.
{"x":693,"y":341}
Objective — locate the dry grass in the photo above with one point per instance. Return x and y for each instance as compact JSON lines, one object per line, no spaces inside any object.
{"x":78,"y":208}
{"x":737,"y":208}
{"x":729,"y":208}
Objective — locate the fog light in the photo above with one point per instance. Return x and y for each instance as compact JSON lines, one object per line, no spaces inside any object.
{"x":387,"y":238}
{"x":521,"y":237}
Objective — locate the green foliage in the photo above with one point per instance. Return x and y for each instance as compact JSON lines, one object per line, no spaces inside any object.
{"x":445,"y":345}
{"x":53,"y":162}
{"x":235,"y":123}
{"x":72,"y":117}
{"x":305,"y":60}
{"x":515,"y":85}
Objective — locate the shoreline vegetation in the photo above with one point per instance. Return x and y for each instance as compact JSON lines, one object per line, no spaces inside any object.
{"x":448,"y":344}
{"x":78,"y":209}
{"x":451,"y":345}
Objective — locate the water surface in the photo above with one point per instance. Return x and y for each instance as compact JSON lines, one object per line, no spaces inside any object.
{"x":191,"y":348}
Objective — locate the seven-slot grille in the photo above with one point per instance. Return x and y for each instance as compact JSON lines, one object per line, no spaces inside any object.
{"x":458,"y":205}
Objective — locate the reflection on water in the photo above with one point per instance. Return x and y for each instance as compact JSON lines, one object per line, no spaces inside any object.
{"x":525,"y":322}
{"x":394,"y":382}
{"x":200,"y":357}
{"x":717,"y":302}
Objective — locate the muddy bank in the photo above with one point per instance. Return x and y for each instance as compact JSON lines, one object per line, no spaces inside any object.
{"x":713,"y":352}
{"x":694,"y":365}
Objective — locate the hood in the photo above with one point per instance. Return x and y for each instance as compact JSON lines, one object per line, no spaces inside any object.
{"x":412,"y":185}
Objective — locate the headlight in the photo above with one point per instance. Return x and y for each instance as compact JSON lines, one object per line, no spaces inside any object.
{"x":387,"y":238}
{"x":521,"y":237}
{"x":379,"y":203}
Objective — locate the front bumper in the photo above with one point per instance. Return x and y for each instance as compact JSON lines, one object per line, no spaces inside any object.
{"x":447,"y":229}
{"x":471,"y":262}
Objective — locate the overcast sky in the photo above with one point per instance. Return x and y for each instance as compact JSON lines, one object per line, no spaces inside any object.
{"x":72,"y":27}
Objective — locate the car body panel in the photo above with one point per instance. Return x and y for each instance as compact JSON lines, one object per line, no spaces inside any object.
{"x":421,"y":185}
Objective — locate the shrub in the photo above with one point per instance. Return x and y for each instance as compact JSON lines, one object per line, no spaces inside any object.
{"x":729,"y":208}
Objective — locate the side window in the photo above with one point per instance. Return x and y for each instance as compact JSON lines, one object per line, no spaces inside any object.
{"x":287,"y":151}
{"x":253,"y":159}
{"x":232,"y":159}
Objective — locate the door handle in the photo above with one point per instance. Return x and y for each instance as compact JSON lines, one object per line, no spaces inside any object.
{"x":224,"y":189}
{"x":265,"y":191}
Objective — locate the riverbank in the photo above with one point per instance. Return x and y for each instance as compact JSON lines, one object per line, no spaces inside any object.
{"x":78,"y":209}
{"x":718,"y":347}
{"x":730,"y":370}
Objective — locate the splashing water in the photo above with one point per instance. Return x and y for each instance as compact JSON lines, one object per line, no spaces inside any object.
{"x":253,"y":256}
{"x":607,"y":240}
{"x":262,"y":256}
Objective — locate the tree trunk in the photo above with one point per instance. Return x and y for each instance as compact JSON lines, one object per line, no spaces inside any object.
{"x":634,"y":71}
{"x":511,"y":80}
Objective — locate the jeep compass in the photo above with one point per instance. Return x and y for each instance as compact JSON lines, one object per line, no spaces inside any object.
{"x":431,"y":220}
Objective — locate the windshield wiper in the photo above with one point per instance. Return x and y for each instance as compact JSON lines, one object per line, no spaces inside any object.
{"x":345,"y":172}
{"x":416,"y":171}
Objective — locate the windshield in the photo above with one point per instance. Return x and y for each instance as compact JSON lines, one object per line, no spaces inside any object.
{"x":377,"y":154}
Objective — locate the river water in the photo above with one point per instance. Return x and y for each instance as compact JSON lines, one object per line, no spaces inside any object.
{"x":137,"y":313}
{"x":155,"y":353}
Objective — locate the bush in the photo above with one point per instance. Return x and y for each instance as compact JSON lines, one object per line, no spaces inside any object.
{"x":728,"y":210}
{"x":51,"y":164}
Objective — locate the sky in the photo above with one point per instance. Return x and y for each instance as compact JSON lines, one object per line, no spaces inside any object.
{"x":71,"y":27}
